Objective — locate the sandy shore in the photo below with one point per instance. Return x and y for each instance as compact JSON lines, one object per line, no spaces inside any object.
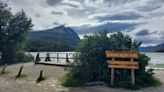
{"x":28,"y":83}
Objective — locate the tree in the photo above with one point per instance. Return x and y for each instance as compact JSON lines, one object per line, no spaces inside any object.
{"x":90,"y":62}
{"x":92,"y":53}
{"x":13,"y":31}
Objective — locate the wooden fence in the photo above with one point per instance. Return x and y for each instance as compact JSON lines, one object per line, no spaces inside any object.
{"x":51,"y":57}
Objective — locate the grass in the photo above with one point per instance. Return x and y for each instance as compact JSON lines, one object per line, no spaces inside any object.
{"x":156,"y":65}
{"x":148,"y":82}
{"x":142,"y":81}
{"x":68,"y":81}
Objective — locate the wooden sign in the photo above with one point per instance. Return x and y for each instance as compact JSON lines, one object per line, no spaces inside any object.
{"x":122,"y":64}
{"x":121,"y":54}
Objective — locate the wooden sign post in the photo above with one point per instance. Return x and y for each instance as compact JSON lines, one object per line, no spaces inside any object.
{"x":122,"y":64}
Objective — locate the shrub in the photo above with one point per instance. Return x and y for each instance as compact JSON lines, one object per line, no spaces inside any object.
{"x":22,"y":57}
{"x":69,"y":81}
{"x":90,"y":63}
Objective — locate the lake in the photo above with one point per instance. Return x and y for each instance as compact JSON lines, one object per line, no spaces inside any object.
{"x":156,"y":57}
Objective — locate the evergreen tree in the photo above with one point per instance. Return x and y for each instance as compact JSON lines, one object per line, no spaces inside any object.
{"x":13,"y":31}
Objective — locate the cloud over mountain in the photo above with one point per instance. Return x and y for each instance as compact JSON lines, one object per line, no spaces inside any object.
{"x":90,"y":16}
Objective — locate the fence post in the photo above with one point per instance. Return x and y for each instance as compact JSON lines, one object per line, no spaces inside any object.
{"x":48,"y":57}
{"x":3,"y":69}
{"x":20,"y":71}
{"x":37,"y":59}
{"x":57,"y":57}
{"x":41,"y":73}
{"x":67,"y":60}
{"x":41,"y":77}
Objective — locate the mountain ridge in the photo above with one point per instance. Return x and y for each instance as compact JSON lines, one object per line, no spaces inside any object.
{"x":60,"y":34}
{"x":157,"y":48}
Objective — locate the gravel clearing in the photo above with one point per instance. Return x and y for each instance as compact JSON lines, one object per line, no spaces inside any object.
{"x":8,"y":83}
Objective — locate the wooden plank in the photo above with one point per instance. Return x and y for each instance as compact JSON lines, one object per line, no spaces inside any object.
{"x":121,"y":54}
{"x":123,"y":67}
{"x":122,"y":62}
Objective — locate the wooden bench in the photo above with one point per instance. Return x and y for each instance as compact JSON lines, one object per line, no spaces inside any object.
{"x":122,"y":64}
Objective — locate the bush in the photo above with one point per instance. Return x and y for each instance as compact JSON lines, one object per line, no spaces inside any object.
{"x":69,"y":81}
{"x":144,"y":78}
{"x":20,"y":57}
{"x":90,"y":63}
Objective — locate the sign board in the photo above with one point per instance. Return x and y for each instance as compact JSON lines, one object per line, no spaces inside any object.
{"x":122,"y":64}
{"x":121,"y":54}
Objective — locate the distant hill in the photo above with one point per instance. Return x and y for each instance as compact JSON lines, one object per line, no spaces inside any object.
{"x":61,"y":35}
{"x":158,"y":48}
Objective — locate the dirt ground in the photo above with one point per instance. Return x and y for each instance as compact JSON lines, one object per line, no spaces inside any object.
{"x":8,"y":83}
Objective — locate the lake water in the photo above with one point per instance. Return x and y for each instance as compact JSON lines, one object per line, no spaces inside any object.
{"x":156,"y":57}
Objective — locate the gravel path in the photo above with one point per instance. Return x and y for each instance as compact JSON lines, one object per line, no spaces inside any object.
{"x":28,"y":83}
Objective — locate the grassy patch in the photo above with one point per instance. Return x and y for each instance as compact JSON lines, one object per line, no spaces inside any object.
{"x":143,"y":81}
{"x":156,"y":65}
{"x":151,"y":82}
{"x":68,"y":81}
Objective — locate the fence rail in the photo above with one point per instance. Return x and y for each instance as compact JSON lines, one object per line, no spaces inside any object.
{"x":54,"y":57}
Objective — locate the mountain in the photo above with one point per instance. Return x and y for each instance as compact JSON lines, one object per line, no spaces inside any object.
{"x":158,"y":48}
{"x":60,"y":34}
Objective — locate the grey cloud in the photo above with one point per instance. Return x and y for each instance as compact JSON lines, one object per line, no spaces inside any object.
{"x":37,"y":15}
{"x":78,"y":13}
{"x":117,"y":2}
{"x":57,"y":23}
{"x":72,"y":5}
{"x":111,"y":27}
{"x":150,"y":5}
{"x":78,"y":0}
{"x":148,"y":8}
{"x":143,"y":32}
{"x":57,"y":13}
{"x":53,"y":2}
{"x":122,"y":16}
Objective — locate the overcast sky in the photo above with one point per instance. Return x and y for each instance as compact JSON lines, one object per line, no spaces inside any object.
{"x":141,"y":19}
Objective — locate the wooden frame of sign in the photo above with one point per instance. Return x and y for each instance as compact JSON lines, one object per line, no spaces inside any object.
{"x":122,"y":64}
